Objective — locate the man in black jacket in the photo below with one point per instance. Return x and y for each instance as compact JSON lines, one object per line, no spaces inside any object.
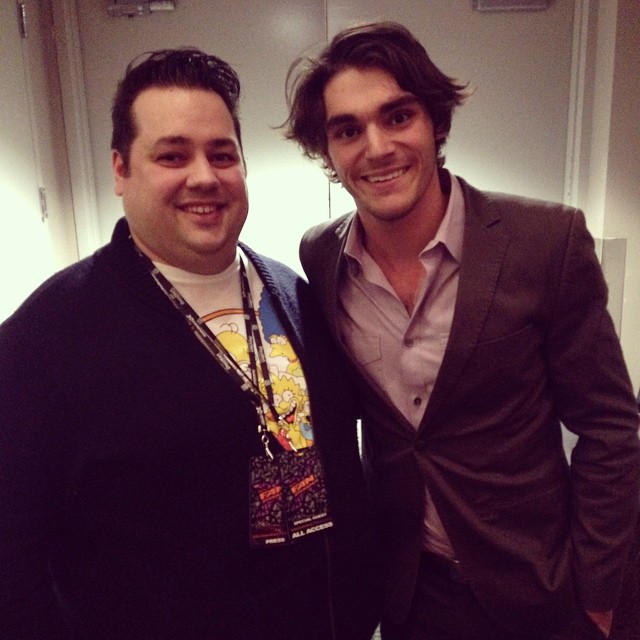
{"x":178,"y":446}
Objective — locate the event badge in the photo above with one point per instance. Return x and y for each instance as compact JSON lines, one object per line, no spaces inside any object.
{"x":288,"y":498}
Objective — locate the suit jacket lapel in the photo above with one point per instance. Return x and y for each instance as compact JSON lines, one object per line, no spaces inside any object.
{"x":484,"y":248}
{"x":328,"y":274}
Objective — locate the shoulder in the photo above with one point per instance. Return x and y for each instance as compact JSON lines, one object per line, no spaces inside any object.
{"x":321,"y":246}
{"x":329,"y":230}
{"x":72,"y":295}
{"x":520,"y":215}
{"x":286,"y":286}
{"x":84,"y":282}
{"x":273,"y":272}
{"x":41,"y":329}
{"x":506,"y":204}
{"x":56,"y":296}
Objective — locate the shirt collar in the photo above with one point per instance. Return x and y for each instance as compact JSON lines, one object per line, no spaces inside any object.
{"x":451,"y":230}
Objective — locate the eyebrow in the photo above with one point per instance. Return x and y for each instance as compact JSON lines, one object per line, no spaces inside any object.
{"x":182,"y":140}
{"x":387,"y":107}
{"x":402,"y":101}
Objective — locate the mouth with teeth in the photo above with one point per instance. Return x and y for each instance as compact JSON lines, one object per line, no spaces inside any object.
{"x":201,"y":209}
{"x":385,"y":177}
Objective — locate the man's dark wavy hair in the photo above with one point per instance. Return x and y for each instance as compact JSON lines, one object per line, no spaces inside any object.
{"x":384,"y":45}
{"x":188,"y":68}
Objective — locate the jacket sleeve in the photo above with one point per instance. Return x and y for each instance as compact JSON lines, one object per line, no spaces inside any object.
{"x":595,"y":401}
{"x":30,"y":463}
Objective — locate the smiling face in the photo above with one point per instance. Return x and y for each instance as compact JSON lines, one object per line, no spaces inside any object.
{"x":184,"y":188}
{"x":381,"y":144}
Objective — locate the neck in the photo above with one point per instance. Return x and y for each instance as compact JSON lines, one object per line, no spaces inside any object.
{"x":401,"y":241}
{"x":396,"y":245}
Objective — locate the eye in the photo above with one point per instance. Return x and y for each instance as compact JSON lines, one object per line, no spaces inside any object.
{"x":223,"y":158}
{"x":223,"y":155}
{"x":171,"y":158}
{"x":346,"y":132}
{"x":400,"y":117}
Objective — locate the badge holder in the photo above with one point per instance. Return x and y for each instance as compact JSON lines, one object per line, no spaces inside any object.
{"x":288,"y":496}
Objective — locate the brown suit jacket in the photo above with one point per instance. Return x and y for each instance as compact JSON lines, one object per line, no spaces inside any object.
{"x":531,"y":346}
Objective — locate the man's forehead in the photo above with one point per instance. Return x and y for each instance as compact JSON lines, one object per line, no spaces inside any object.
{"x":354,"y":90}
{"x":178,"y":112}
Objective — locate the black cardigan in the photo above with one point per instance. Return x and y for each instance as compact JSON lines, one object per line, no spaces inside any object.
{"x":124,"y":455}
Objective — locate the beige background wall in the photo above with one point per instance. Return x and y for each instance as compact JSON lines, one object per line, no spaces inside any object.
{"x":622,"y":197}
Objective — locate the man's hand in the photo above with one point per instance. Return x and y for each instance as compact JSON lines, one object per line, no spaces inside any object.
{"x":603,"y":620}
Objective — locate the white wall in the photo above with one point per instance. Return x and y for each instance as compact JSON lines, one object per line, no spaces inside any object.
{"x":32,"y":245}
{"x":622,"y":204}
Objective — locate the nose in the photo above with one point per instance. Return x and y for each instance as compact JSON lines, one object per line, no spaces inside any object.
{"x":378,"y":142}
{"x":202,"y":174}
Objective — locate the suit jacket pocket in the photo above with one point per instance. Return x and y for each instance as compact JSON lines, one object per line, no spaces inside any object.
{"x":504,"y":371}
{"x":528,"y":523}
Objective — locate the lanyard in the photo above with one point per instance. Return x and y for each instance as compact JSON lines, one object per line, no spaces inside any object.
{"x":249,"y":384}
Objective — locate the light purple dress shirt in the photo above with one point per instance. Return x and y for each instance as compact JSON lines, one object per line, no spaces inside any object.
{"x":402,"y":352}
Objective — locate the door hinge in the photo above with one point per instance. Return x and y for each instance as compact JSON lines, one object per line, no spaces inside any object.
{"x":22,"y":18}
{"x":43,"y":203}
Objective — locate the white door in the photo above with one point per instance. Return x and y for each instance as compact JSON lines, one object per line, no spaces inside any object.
{"x":37,"y":231}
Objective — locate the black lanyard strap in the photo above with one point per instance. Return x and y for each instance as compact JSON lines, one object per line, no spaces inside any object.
{"x":249,"y":384}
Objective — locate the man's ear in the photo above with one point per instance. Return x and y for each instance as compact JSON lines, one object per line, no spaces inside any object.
{"x":327,"y":162}
{"x":119,"y":169}
{"x":440,"y":136}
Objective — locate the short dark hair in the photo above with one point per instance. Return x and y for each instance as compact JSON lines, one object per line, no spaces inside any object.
{"x":187,"y":68}
{"x":385,"y":45}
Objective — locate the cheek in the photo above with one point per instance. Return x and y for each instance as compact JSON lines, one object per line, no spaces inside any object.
{"x":164,"y":191}
{"x":237,"y":185}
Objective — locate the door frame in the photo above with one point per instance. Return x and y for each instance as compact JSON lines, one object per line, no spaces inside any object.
{"x":76,"y":120}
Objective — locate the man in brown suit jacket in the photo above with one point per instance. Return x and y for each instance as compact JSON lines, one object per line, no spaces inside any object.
{"x":477,"y":326}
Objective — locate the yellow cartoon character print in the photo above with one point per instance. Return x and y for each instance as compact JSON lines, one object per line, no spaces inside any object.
{"x":291,"y":398}
{"x":292,"y":427}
